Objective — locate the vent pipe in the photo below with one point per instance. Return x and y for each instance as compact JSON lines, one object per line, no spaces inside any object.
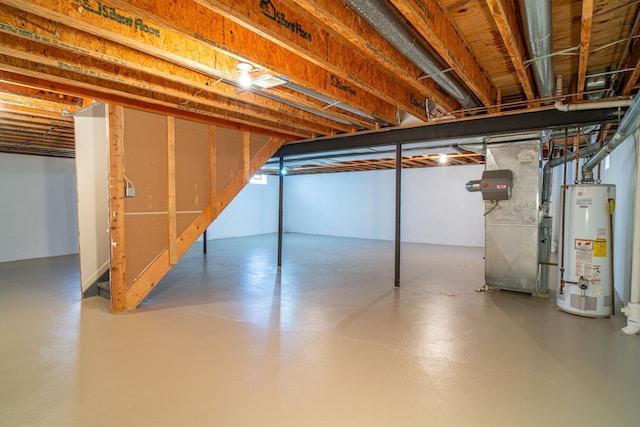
{"x":629,"y":123}
{"x":548,"y":169}
{"x":537,"y":19}
{"x":383,"y":19}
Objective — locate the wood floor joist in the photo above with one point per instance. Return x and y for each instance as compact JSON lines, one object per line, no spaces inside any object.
{"x":177,"y":38}
{"x":433,"y":24}
{"x":32,"y":29}
{"x":84,"y":85}
{"x":319,"y":46}
{"x":346,"y":24}
{"x":505,"y":17}
{"x":585,"y":42}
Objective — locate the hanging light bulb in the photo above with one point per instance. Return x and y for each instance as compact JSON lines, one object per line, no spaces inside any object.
{"x":443,"y":159}
{"x":244,"y":78}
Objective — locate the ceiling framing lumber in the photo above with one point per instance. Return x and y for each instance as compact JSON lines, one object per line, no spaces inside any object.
{"x":634,"y":62}
{"x":633,"y":77}
{"x":245,"y":45}
{"x":348,"y":25}
{"x":585,"y":42}
{"x":33,"y":28}
{"x":505,"y":15}
{"x":37,"y":75}
{"x":434,"y":25}
{"x":33,"y":103}
{"x":321,"y":71}
{"x":133,"y":79}
{"x":177,"y":38}
{"x":314,"y":44}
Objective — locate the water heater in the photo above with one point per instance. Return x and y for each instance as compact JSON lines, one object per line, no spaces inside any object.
{"x":585,"y":286}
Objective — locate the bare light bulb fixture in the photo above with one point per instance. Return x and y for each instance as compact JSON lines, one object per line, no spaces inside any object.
{"x":443,"y":159}
{"x":244,"y":79}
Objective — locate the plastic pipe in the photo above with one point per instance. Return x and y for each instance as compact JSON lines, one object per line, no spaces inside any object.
{"x":592,"y":105}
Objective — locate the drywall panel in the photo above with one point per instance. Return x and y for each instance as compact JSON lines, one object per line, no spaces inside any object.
{"x":38,"y":214}
{"x":435,"y":205}
{"x":620,"y":168}
{"x":253,"y":211}
{"x":192,"y":171}
{"x":92,"y":184}
{"x":145,"y":239}
{"x":145,"y":165}
{"x":228,"y":155}
{"x":257,"y":142}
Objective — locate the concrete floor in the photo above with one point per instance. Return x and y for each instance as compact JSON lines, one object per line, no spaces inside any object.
{"x":226,"y":340}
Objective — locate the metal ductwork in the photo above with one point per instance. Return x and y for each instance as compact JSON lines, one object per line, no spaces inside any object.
{"x":537,"y":19}
{"x":628,"y":125}
{"x":330,"y":101}
{"x":548,"y":169}
{"x":381,"y":17}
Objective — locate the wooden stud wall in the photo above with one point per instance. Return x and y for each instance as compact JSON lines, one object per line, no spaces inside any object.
{"x":173,"y":165}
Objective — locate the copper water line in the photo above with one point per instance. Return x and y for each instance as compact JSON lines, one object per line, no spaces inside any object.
{"x":564,"y":187}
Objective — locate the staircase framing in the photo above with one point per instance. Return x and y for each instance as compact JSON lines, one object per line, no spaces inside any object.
{"x":126,"y":296}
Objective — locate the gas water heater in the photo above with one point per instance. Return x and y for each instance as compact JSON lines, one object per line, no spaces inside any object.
{"x":585,"y":278}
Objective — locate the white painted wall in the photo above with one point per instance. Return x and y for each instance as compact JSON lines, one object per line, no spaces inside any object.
{"x":253,"y":211}
{"x":38,"y":216}
{"x":436,"y":207}
{"x":350,"y":204}
{"x":91,"y":136}
{"x":621,"y":171}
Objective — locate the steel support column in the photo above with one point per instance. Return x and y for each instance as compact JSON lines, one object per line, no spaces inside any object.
{"x":280,"y":208}
{"x":204,"y":242}
{"x":398,"y":211}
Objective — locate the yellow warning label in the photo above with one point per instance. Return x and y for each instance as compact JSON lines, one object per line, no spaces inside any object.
{"x":600,"y":248}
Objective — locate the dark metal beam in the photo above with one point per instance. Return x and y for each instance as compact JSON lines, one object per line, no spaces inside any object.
{"x":471,"y":127}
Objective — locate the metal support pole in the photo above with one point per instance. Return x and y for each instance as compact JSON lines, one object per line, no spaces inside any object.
{"x":280,"y":209}
{"x":398,"y":211}
{"x":204,"y":242}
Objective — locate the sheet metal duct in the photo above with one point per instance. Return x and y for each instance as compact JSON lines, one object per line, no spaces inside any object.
{"x":381,"y":17}
{"x":330,"y":101}
{"x":537,"y":19}
{"x":628,"y":125}
{"x":511,"y":232}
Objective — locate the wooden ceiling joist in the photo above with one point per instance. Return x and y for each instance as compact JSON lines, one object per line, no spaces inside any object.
{"x":433,"y":24}
{"x":312,"y":42}
{"x":334,"y":74}
{"x":505,"y":15}
{"x":127,"y":83}
{"x":634,"y":62}
{"x":27,"y":121}
{"x":585,"y":42}
{"x":182,"y":41}
{"x":33,"y":27}
{"x":22,"y":129}
{"x":349,"y":26}
{"x":180,"y":30}
{"x":21,"y":71}
{"x":33,"y":103}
